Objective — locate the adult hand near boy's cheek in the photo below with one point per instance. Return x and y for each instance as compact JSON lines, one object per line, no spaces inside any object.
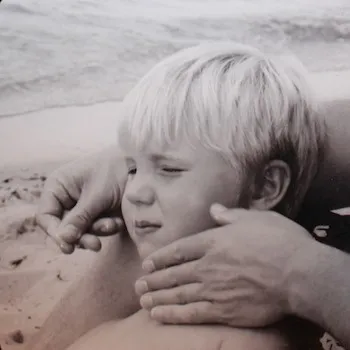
{"x":76,"y":194}
{"x":235,"y":274}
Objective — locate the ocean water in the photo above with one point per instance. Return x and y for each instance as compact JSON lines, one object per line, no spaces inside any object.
{"x":78,"y":52}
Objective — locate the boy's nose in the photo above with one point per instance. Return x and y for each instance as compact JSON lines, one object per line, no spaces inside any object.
{"x":140,"y":193}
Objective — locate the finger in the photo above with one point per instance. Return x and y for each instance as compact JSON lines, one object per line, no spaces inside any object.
{"x":51,"y":223}
{"x":224,"y":216}
{"x":167,"y":278}
{"x":178,"y":252}
{"x":53,"y":202}
{"x":188,"y":293}
{"x":107,"y":226}
{"x":194,"y":313}
{"x":91,"y":242}
{"x":80,"y":218}
{"x":75,"y":223}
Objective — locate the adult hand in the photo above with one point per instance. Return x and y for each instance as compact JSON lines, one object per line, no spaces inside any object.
{"x":235,"y":275}
{"x":75,"y":196}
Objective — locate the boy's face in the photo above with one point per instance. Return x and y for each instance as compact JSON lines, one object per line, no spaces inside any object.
{"x":168,"y":194}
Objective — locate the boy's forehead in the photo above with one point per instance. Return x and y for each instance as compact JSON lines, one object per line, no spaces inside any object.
{"x":159,"y":155}
{"x":182,"y":151}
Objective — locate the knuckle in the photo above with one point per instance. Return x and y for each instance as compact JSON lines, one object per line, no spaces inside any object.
{"x":55,"y":182}
{"x":197,"y":267}
{"x":82,"y":215}
{"x":172,"y":280}
{"x":203,"y":269}
{"x":208,"y":308}
{"x":169,"y":316}
{"x":219,"y":313}
{"x":181,"y":296}
{"x":201,"y":291}
{"x":59,"y":195}
{"x":193,"y":314}
{"x":208,"y":313}
{"x":156,"y":281}
{"x":178,"y":255}
{"x":172,"y":276}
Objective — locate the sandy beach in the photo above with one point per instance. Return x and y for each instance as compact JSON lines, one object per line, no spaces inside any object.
{"x":33,"y":273}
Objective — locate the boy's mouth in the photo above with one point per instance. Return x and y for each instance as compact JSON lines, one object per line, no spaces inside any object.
{"x":143,"y":227}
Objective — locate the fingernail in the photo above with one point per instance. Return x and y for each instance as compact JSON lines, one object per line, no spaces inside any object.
{"x":141,"y":287}
{"x":148,"y":266}
{"x":218,"y":208}
{"x":66,"y":248}
{"x":156,"y":313}
{"x":106,"y":228}
{"x":146,"y":301}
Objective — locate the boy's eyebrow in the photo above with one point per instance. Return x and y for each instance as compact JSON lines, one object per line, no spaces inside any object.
{"x":157,"y":157}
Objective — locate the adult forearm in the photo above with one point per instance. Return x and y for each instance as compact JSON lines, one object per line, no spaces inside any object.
{"x":103,"y":293}
{"x":319,"y":284}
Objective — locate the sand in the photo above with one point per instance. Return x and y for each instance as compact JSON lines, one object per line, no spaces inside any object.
{"x":33,"y":273}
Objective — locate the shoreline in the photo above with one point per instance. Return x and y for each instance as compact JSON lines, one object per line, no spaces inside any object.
{"x":117,"y":101}
{"x":56,"y":135}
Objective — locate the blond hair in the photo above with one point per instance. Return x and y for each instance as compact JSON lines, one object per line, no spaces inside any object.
{"x":248,"y":106}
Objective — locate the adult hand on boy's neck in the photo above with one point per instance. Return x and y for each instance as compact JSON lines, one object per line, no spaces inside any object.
{"x":251,"y":272}
{"x":239,"y":264}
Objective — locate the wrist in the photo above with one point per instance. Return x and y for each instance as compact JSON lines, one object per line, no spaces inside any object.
{"x":318,"y":288}
{"x":307,"y":279}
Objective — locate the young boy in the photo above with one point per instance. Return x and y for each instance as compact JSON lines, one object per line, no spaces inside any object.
{"x":218,"y":123}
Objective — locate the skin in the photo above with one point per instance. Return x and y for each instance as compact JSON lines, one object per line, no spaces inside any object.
{"x":175,"y":189}
{"x":291,"y":291}
{"x":76,"y":194}
{"x":156,"y":186}
{"x":102,"y":295}
{"x":152,"y":335}
{"x":307,"y":285}
{"x":331,"y":184}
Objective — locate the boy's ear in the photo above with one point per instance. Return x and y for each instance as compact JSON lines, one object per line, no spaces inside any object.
{"x":271,"y":185}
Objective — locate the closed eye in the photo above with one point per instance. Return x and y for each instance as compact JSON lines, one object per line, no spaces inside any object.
{"x":172,"y":170}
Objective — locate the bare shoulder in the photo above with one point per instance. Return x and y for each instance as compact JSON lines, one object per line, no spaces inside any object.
{"x":140,"y":332}
{"x":100,"y":337}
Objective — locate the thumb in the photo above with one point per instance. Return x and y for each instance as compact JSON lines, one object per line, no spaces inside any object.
{"x":225,"y":216}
